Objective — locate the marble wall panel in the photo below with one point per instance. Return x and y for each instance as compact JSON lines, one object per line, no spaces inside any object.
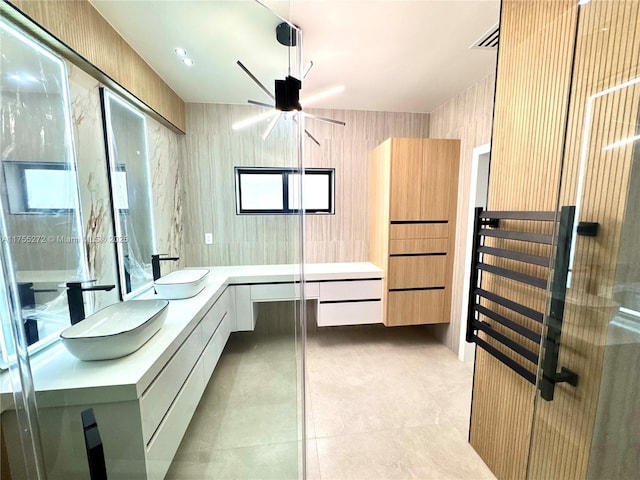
{"x":164,"y":149}
{"x":97,"y":220}
{"x":164,"y":153}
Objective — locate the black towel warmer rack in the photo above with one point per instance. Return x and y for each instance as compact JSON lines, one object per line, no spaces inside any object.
{"x":487,"y":224}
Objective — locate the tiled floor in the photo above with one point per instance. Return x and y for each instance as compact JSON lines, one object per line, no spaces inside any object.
{"x":387,"y":404}
{"x":382,"y":404}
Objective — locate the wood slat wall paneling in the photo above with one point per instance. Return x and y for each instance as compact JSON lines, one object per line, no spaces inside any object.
{"x":532,"y":86}
{"x":568,"y":439}
{"x":86,"y":39}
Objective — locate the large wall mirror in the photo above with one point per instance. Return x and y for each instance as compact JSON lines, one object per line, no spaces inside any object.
{"x":130,"y":187}
{"x":39,"y":195}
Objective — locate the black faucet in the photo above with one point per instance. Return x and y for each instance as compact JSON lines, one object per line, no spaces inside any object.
{"x":76,"y":300}
{"x":155,"y":263}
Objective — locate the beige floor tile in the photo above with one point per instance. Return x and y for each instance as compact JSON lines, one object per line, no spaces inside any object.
{"x":380,"y":404}
{"x":262,"y":462}
{"x":375,"y":384}
{"x":437,"y":452}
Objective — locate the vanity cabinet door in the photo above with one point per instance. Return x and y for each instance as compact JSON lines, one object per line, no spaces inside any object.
{"x":406,"y":179}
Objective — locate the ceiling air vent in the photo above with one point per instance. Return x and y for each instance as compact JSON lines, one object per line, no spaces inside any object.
{"x":489,"y":39}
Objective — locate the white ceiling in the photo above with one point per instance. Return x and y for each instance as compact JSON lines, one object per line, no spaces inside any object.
{"x":394,"y":55}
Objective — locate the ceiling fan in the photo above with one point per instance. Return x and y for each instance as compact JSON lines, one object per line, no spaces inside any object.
{"x":285,"y":100}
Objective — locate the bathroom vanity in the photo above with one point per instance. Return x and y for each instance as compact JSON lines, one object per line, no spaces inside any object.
{"x":143,"y":402}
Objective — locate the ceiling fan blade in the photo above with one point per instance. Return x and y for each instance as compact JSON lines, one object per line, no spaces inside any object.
{"x":307,"y":70}
{"x":256,"y":81}
{"x":325,"y":119}
{"x":314,"y":139}
{"x":271,"y":126}
{"x":260,"y":104}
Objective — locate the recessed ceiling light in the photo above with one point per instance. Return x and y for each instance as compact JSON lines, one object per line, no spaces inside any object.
{"x":187,"y":61}
{"x":181,"y":52}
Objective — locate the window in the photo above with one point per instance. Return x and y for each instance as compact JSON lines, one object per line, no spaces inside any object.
{"x":277,"y":190}
{"x":38,"y":187}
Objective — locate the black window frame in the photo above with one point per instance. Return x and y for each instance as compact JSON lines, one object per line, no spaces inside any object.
{"x":284,"y":172}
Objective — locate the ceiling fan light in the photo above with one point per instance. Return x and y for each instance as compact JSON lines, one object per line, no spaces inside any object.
{"x":321,"y":95}
{"x":255,"y":119}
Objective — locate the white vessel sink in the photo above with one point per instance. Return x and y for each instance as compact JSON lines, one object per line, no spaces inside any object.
{"x":115,"y":331}
{"x":182,"y":283}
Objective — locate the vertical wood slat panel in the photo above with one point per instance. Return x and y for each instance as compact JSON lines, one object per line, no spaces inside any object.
{"x":79,"y":25}
{"x":531,"y":102}
{"x":607,"y":54}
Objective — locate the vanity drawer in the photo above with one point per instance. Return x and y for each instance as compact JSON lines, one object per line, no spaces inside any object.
{"x":349,"y":313}
{"x":417,"y":271}
{"x":403,"y":231}
{"x":275,"y":291}
{"x":353,"y":290}
{"x":214,"y":348}
{"x":311,"y":289}
{"x":155,"y":401}
{"x":214,"y":316}
{"x":165,"y":442}
{"x":419,"y":245}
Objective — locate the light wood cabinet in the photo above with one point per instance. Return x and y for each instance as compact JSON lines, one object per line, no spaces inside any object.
{"x":413,"y":200}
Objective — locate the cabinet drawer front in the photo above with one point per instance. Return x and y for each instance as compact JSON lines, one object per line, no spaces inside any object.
{"x":419,"y":245}
{"x":165,"y":442}
{"x":403,"y":231}
{"x":417,"y":271}
{"x":349,"y":313}
{"x":416,"y":307}
{"x":354,"y":290}
{"x":311,"y":290}
{"x":275,"y":291}
{"x":214,"y":316}
{"x":156,"y":400}
{"x":215,"y":347}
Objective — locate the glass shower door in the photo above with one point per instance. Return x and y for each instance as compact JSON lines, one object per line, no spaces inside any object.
{"x":591,"y":429}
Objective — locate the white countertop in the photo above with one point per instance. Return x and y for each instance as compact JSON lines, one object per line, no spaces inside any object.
{"x":61,"y":379}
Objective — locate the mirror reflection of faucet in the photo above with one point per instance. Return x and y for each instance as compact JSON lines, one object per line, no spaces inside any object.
{"x":155,"y":263}
{"x":76,"y":300}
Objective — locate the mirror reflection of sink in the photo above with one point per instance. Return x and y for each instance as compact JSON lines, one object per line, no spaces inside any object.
{"x":182,"y":283}
{"x":115,"y":331}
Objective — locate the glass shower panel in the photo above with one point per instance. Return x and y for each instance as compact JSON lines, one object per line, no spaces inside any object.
{"x":590,"y":430}
{"x":39,"y":185}
{"x":250,"y":421}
